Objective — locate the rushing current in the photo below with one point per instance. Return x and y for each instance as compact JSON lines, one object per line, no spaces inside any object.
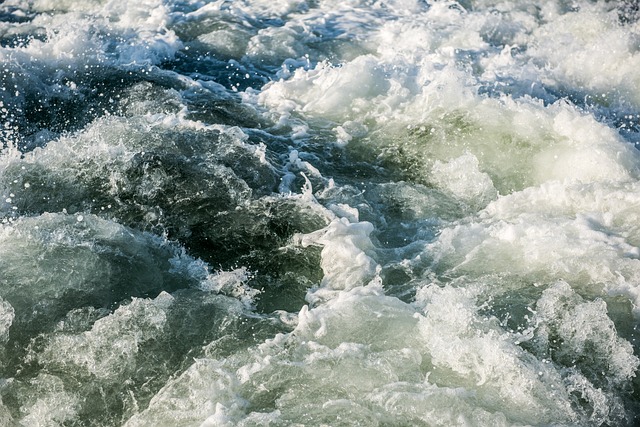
{"x":319,"y":213}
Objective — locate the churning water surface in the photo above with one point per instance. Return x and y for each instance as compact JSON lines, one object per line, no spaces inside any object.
{"x":320,"y":212}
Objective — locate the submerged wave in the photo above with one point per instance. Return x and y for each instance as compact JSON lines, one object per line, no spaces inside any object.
{"x":319,"y":212}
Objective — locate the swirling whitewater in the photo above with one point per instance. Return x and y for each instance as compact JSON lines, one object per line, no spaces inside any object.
{"x":259,"y":213}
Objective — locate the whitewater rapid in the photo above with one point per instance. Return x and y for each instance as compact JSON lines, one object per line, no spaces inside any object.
{"x":319,"y":212}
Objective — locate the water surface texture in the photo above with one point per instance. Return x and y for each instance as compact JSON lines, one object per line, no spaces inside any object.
{"x":320,"y":212}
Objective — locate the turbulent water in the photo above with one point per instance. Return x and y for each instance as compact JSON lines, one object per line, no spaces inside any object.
{"x":319,"y":212}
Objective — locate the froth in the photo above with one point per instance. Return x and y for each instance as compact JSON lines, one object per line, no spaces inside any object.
{"x":420,"y":213}
{"x":397,"y":359}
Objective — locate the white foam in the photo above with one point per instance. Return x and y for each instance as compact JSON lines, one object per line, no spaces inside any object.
{"x":462,"y":178}
{"x":74,"y":40}
{"x":348,"y":257}
{"x":232,"y":283}
{"x":590,"y":53}
{"x":52,"y":405}
{"x":586,"y":332}
{"x":537,"y":197}
{"x":381,"y":359}
{"x":109,"y":350}
{"x":7,"y":314}
{"x":473,"y":352}
{"x":421,"y":110}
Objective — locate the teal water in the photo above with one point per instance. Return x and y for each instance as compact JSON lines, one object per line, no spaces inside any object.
{"x":307,"y":213}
